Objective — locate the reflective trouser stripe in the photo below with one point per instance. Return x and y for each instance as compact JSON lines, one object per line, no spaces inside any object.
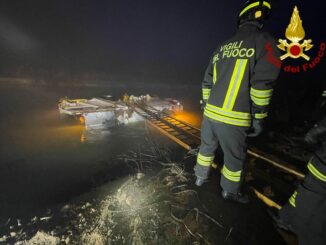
{"x":261,"y":102}
{"x":314,"y":171}
{"x":261,"y":115}
{"x":230,"y":175}
{"x":214,"y":74}
{"x":206,"y":93}
{"x":292,"y":199}
{"x":204,"y":160}
{"x":234,"y":86}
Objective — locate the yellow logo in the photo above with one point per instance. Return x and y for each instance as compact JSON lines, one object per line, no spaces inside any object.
{"x":295,"y":33}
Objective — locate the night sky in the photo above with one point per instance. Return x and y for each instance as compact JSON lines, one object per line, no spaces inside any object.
{"x":139,"y":40}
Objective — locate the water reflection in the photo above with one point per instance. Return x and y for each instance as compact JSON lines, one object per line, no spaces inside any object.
{"x":43,"y":159}
{"x":94,"y":135}
{"x":191,"y":118}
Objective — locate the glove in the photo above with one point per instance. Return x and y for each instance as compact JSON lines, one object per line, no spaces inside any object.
{"x":315,"y":135}
{"x":256,"y":128}
{"x":202,"y":104}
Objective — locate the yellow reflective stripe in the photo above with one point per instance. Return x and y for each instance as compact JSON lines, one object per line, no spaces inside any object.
{"x":205,"y":158}
{"x":214,"y":74}
{"x":261,"y":97}
{"x":292,"y":199}
{"x":231,"y":178}
{"x":206,"y":93}
{"x":214,"y":165}
{"x":235,"y":114}
{"x":227,"y":120}
{"x":204,"y":161}
{"x":316,"y":172}
{"x":235,"y":83}
{"x":255,"y":4}
{"x":292,"y":202}
{"x":268,"y":5}
{"x":206,"y":90}
{"x":261,"y":93}
{"x":238,"y":82}
{"x":230,"y":175}
{"x":233,"y":77}
{"x":261,"y":115}
{"x":260,"y":101}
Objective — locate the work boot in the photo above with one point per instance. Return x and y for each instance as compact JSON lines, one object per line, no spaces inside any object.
{"x":239,"y":197}
{"x":199,"y":181}
{"x":201,"y":173}
{"x":279,"y":221}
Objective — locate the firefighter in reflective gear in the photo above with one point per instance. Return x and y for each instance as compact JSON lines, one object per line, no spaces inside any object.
{"x":237,"y":89}
{"x":305,"y":212}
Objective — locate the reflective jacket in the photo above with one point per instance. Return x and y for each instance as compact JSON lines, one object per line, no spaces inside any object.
{"x":239,"y":79}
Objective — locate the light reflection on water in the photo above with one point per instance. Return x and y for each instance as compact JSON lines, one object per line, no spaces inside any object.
{"x":45,"y":160}
{"x":193,"y":118}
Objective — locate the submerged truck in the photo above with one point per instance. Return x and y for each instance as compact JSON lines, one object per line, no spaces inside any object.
{"x":104,"y":112}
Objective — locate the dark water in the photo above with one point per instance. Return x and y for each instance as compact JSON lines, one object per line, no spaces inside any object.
{"x":43,"y":160}
{"x":45,"y":163}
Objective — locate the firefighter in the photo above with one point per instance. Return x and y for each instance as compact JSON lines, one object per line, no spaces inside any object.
{"x":304,"y":214}
{"x":237,"y":89}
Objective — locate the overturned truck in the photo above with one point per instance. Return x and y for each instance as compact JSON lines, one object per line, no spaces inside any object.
{"x":104,"y":112}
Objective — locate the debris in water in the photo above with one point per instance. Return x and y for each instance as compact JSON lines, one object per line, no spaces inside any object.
{"x":46,"y":218}
{"x":140,"y":175}
{"x":227,"y":237}
{"x":135,"y":212}
{"x":93,"y":239}
{"x":42,"y":238}
{"x":86,"y":205}
{"x":67,"y":240}
{"x":3,"y":239}
{"x":7,"y":221}
{"x":65,"y":208}
{"x":34,"y":220}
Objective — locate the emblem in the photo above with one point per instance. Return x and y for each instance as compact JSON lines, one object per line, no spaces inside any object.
{"x":295,"y":33}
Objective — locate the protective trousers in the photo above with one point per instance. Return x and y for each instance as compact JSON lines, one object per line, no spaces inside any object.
{"x":306,"y":208}
{"x":232,"y":140}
